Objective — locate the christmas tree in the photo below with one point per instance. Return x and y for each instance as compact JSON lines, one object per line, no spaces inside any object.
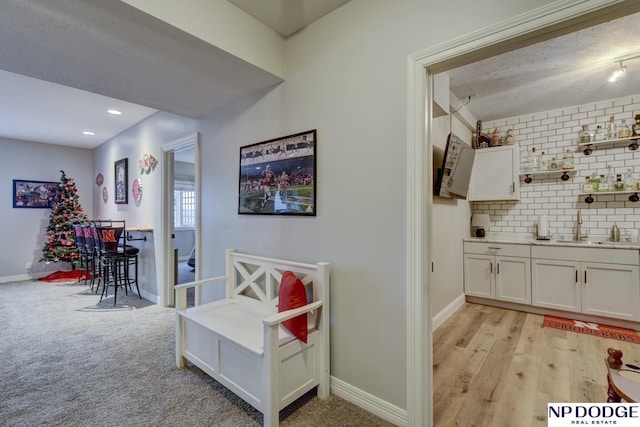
{"x":60,"y":244}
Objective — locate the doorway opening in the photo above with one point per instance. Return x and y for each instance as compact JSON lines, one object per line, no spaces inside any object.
{"x":180,"y":216}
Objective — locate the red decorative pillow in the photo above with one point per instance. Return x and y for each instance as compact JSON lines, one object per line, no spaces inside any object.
{"x":293,"y":295}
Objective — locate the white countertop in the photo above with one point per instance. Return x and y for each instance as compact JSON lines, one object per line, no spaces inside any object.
{"x":530,"y":240}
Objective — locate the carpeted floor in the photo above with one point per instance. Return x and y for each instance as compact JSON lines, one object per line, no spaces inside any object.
{"x":68,"y":360}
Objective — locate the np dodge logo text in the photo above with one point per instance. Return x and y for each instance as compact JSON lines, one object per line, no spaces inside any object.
{"x":606,"y":413}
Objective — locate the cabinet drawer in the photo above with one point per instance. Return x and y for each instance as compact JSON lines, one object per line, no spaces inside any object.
{"x":504,"y":249}
{"x":591,"y":254}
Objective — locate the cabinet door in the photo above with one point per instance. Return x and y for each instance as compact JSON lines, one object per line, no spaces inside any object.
{"x":495,"y":174}
{"x":555,"y":284}
{"x":478,"y":275}
{"x":611,"y":290}
{"x":513,"y":279}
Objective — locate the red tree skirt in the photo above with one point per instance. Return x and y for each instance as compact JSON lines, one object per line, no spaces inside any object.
{"x":66,"y":276}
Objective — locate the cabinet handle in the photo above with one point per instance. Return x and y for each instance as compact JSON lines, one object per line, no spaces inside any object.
{"x":585,"y":277}
{"x":576,"y":276}
{"x":513,"y":187}
{"x":498,"y":268}
{"x":494,"y":248}
{"x":491,"y":267}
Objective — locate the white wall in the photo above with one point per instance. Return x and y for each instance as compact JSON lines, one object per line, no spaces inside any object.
{"x":23,"y":230}
{"x":346,"y":77}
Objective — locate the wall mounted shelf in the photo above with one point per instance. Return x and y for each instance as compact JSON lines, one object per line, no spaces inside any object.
{"x":563,"y":174}
{"x":633,"y":195}
{"x":631,"y":142}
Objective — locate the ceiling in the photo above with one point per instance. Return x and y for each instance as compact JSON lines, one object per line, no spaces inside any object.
{"x":90,"y":55}
{"x":564,"y":71}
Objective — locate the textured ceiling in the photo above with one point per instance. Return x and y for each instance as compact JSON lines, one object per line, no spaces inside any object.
{"x":564,"y":71}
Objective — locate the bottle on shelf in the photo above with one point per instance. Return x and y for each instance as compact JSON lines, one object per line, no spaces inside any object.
{"x":525,"y":160}
{"x":636,"y":126}
{"x":624,"y":131}
{"x":599,"y":134}
{"x":612,"y":129}
{"x":619,"y":185}
{"x":585,"y":135}
{"x":595,"y":182}
{"x":553,"y":164}
{"x":535,"y":160}
{"x":544,"y":162}
{"x":629,"y":181}
{"x":611,"y":178}
{"x":604,"y":184}
{"x":587,"y":187}
{"x":568,"y":161}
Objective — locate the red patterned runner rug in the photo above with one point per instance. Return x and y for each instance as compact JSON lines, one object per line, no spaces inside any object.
{"x":590,"y":328}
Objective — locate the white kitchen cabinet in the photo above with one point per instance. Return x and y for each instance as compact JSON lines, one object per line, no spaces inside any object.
{"x":573,"y":279}
{"x":495,"y":174}
{"x":498,"y":271}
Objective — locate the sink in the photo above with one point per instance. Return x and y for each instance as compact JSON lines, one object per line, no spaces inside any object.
{"x":577,"y":242}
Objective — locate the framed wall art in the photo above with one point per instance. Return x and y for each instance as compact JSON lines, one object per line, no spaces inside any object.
{"x":277,"y":177}
{"x":121,"y":182}
{"x":34,"y":194}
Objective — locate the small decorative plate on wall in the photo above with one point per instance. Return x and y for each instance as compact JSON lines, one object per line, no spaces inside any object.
{"x":99,"y":179}
{"x":105,"y":194}
{"x":136,"y":189}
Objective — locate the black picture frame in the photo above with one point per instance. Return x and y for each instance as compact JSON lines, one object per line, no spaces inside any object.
{"x":121,"y":182}
{"x":29,"y":193}
{"x":278,"y":176}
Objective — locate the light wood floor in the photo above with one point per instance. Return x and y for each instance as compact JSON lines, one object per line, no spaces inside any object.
{"x":496,"y":367}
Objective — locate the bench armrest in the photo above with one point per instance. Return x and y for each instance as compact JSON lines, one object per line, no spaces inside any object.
{"x":290,"y":314}
{"x":200,"y":282}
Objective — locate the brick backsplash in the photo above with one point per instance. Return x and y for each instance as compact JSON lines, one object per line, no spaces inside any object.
{"x":554,"y":132}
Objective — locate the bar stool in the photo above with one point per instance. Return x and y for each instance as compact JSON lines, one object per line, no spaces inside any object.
{"x":113,"y":261}
{"x":78,"y":235}
{"x":90,"y":249}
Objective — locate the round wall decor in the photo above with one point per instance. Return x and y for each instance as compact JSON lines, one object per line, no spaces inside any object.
{"x":136,"y":189}
{"x":105,"y":194}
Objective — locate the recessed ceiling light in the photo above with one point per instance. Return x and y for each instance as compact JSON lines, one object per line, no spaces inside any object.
{"x":114,"y":112}
{"x":86,"y":132}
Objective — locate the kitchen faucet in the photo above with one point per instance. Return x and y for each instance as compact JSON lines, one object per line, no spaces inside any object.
{"x":579,"y":236}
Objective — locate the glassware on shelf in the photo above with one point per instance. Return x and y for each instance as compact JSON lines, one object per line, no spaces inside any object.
{"x":568,"y":161}
{"x":585,"y":135}
{"x":525,"y":160}
{"x":619,"y":185}
{"x":629,"y":181}
{"x":599,"y":134}
{"x":612,"y":129}
{"x":624,"y":131}
{"x":544,"y":162}
{"x":553,"y":164}
{"x":535,"y":160}
{"x":595,"y":182}
{"x":604,"y":184}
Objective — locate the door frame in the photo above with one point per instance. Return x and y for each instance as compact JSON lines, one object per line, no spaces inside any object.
{"x":166,"y":223}
{"x":556,"y":18}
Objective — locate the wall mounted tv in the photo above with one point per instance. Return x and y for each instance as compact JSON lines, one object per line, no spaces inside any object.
{"x":452,"y":178}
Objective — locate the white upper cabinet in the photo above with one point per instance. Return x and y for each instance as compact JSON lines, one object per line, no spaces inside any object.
{"x":495,"y":174}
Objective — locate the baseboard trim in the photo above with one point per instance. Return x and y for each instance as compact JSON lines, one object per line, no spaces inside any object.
{"x":445,"y":313}
{"x":369,"y":402}
{"x":23,"y":277}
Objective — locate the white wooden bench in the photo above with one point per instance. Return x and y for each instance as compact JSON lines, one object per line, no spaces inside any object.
{"x":240,"y":342}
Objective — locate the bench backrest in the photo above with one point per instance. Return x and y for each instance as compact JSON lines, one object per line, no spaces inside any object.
{"x":259,"y":278}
